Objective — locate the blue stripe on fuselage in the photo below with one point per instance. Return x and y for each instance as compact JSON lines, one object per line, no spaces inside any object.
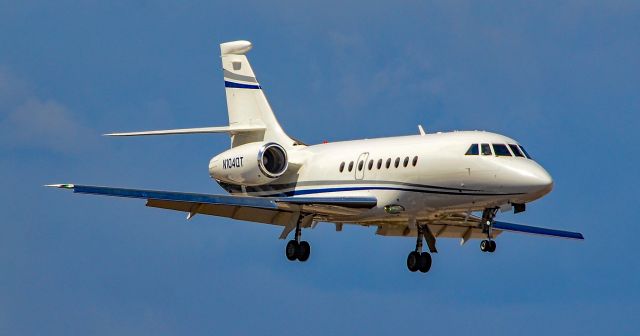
{"x":339,"y":189}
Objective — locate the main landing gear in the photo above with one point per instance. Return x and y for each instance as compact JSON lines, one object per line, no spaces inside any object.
{"x":418,"y":260}
{"x":296,"y":249}
{"x":488,"y":245}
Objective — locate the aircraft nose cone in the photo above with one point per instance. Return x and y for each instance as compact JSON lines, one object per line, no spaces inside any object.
{"x":540,"y":181}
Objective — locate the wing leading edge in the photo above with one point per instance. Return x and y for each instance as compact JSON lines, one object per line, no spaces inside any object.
{"x":193,"y":202}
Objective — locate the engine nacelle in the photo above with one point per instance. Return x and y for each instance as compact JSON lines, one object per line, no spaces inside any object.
{"x":251,"y":164}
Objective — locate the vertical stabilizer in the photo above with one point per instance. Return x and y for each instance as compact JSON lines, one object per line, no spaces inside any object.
{"x":246,"y":102}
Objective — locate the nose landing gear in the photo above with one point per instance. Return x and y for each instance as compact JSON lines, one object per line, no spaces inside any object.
{"x":488,"y":245}
{"x":418,"y":260}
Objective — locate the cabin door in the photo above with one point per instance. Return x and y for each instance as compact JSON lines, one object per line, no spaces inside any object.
{"x":361,"y":165}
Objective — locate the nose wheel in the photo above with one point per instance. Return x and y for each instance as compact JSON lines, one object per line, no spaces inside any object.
{"x":418,"y":260}
{"x":488,"y":246}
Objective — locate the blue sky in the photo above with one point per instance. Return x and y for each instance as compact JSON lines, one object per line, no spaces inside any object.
{"x":562,"y":77}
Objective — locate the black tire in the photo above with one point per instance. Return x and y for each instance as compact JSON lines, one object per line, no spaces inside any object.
{"x":413,"y":261}
{"x":304,"y":250}
{"x":292,"y":250}
{"x":492,"y":246}
{"x":425,"y":262}
{"x":484,"y":246}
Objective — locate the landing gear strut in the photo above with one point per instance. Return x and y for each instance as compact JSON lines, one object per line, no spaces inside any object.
{"x":488,"y":245}
{"x":418,"y":260}
{"x":296,"y":249}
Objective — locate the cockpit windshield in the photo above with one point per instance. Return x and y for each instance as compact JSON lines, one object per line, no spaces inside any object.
{"x":516,"y":150}
{"x":485,"y":149}
{"x":473,"y":150}
{"x":498,"y":150}
{"x":501,"y":150}
{"x":525,"y":153}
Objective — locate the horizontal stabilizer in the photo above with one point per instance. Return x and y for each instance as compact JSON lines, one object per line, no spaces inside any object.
{"x":536,"y":230}
{"x":220,"y":129}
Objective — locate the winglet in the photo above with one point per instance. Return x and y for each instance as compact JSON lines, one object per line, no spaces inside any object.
{"x":63,"y":186}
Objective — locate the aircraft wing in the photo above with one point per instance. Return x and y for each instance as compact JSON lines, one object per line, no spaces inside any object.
{"x":466,"y":227}
{"x":270,"y":210}
{"x":535,"y":230}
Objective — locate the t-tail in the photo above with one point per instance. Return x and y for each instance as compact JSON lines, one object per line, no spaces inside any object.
{"x":251,"y":118}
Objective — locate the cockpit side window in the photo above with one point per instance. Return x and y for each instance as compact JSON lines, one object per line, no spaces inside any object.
{"x":473,"y":150}
{"x":486,"y":149}
{"x":501,"y":150}
{"x":525,"y":153}
{"x":516,"y":151}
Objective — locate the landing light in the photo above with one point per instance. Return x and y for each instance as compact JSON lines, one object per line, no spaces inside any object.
{"x":393,"y":209}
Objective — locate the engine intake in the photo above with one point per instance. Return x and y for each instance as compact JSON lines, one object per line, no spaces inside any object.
{"x":272,"y":160}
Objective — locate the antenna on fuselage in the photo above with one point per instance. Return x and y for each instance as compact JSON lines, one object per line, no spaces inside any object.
{"x":421,"y":130}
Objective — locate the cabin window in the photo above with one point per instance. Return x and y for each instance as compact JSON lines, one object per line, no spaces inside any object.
{"x":473,"y":150}
{"x":397,"y":163}
{"x":388,"y":163}
{"x":501,"y":150}
{"x":350,"y":166}
{"x":341,"y":167}
{"x":525,"y":153}
{"x":486,"y":149}
{"x":415,"y":161}
{"x":379,"y":163}
{"x":360,"y":165}
{"x":516,"y":151}
{"x":370,"y":164}
{"x":406,"y":162}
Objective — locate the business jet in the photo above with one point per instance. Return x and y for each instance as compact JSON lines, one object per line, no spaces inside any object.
{"x":424,"y":186}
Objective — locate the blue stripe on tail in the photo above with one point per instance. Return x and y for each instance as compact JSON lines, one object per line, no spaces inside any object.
{"x":240,"y":86}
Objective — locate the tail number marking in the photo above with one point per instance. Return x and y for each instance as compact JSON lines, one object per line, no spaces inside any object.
{"x":232,"y":163}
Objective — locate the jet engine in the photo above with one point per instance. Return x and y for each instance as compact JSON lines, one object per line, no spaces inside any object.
{"x":251,"y":164}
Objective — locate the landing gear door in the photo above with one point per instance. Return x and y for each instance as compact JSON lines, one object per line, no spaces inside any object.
{"x":361,"y":165}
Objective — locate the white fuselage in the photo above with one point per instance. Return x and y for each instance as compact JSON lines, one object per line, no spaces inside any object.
{"x":443,"y":178}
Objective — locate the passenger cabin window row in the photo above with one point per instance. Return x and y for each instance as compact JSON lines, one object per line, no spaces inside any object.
{"x":498,"y":150}
{"x":379,"y":164}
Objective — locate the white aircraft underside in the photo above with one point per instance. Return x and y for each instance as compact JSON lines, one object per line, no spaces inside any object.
{"x":426,"y":186}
